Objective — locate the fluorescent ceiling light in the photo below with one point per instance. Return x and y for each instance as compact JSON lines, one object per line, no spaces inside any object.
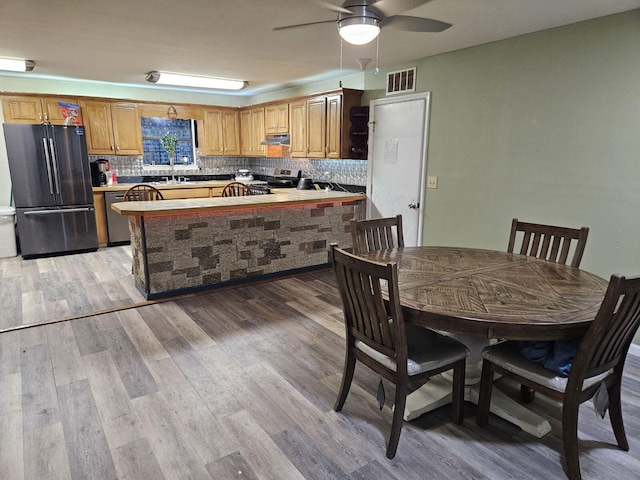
{"x":162,"y":78}
{"x":358,"y":30}
{"x":14,"y":65}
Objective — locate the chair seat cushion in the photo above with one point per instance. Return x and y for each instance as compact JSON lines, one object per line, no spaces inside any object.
{"x":427,"y":350}
{"x":508,"y":356}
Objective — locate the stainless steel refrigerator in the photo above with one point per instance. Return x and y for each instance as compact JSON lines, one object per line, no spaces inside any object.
{"x":52,"y":193}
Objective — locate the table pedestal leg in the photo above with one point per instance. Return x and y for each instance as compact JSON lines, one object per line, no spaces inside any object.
{"x":437,"y":392}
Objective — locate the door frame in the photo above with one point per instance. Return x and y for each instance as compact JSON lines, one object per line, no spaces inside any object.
{"x":426,"y":96}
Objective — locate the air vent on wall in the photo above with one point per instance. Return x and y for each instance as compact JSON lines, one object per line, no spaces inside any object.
{"x":401,"y":81}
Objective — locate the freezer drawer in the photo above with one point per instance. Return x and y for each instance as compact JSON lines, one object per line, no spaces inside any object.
{"x":44,"y":231}
{"x":117,"y":225}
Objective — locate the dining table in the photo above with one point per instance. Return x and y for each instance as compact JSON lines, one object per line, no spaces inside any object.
{"x":482,"y":296}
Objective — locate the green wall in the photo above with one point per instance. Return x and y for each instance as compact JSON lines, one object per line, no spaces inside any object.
{"x":544,"y":127}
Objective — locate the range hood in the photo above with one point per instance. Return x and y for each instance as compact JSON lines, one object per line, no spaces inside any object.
{"x":277,"y":139}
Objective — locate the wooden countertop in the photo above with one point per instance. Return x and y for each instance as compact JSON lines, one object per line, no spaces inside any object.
{"x":163,"y":186}
{"x":278,"y":198}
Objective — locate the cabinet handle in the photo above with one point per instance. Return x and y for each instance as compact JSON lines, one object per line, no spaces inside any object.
{"x":40,"y":117}
{"x":46,"y":117}
{"x":112,"y":148}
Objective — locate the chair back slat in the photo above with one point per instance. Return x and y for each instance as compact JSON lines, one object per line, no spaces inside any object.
{"x":549,"y":242}
{"x":607,"y":341}
{"x":142,"y":193}
{"x":236,"y":189}
{"x":363,"y":285}
{"x":376,"y":234}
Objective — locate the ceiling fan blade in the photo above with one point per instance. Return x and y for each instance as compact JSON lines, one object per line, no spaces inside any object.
{"x":331,"y":6}
{"x":395,"y":7}
{"x":415,"y":24}
{"x":286,"y":27}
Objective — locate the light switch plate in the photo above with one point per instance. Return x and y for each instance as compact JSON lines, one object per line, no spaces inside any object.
{"x":432,"y":182}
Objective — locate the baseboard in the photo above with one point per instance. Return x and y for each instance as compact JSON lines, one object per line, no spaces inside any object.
{"x":634,"y":350}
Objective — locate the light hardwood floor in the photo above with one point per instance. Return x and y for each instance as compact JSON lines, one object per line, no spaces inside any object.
{"x":44,"y":289}
{"x":240,"y":383}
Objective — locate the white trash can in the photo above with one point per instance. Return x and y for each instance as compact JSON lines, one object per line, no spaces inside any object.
{"x":7,"y":232}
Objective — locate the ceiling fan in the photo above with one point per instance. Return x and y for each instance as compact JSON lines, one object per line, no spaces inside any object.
{"x":359,"y":21}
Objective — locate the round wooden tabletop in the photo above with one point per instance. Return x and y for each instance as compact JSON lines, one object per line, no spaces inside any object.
{"x":494,"y":294}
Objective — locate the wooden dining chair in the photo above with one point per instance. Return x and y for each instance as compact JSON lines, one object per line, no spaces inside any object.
{"x":236,"y":189}
{"x":548,"y":242}
{"x":377,"y":336}
{"x":376,"y":234}
{"x":596,"y":369}
{"x":142,"y":192}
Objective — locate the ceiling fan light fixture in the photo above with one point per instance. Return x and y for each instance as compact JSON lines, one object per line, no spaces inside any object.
{"x":16,"y":65}
{"x":163,"y":78}
{"x":358,"y":30}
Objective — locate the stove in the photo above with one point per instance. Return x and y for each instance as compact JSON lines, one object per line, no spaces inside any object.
{"x":284,"y":178}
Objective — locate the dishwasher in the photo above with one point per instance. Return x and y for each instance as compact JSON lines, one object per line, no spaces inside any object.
{"x":117,"y":225}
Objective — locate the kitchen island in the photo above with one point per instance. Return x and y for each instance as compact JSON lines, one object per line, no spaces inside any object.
{"x":188,"y":245}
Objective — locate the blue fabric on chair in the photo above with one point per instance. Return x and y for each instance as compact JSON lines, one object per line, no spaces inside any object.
{"x":556,"y":356}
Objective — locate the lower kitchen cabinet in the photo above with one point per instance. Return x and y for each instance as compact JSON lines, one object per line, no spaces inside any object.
{"x":113,"y":228}
{"x":101,"y":218}
{"x":172,"y":193}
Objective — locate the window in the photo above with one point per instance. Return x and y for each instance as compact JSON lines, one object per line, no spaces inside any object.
{"x":153,"y":129}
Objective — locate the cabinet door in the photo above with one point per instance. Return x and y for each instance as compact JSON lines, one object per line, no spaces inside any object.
{"x":316,"y":127}
{"x":169,"y":193}
{"x":98,"y":127}
{"x":101,"y":217}
{"x":277,"y":118}
{"x":127,"y":131}
{"x":213,"y":142}
{"x":334,"y":126}
{"x":246,"y":133}
{"x":298,"y":127}
{"x":231,"y":132}
{"x":257,"y":127}
{"x":22,"y":110}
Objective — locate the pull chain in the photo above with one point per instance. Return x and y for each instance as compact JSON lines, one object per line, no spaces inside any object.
{"x":377,"y":70}
{"x":340,"y":62}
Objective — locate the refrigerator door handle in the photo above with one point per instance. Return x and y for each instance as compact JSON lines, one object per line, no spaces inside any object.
{"x":54,"y":162}
{"x":62,"y":210}
{"x":48,"y":162}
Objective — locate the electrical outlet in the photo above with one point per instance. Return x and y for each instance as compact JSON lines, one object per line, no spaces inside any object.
{"x":432,"y":182}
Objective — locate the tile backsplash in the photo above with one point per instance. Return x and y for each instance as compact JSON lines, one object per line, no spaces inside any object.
{"x":348,"y":172}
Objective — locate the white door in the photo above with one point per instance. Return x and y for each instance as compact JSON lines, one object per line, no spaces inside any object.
{"x":398,"y":136}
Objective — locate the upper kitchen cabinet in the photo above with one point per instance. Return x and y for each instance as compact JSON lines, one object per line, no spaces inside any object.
{"x":252,"y":132}
{"x":276,"y":118}
{"x":33,"y":109}
{"x":318,"y":125}
{"x":298,"y":128}
{"x":112,"y":128}
{"x":308,"y":119}
{"x":221,"y":132}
